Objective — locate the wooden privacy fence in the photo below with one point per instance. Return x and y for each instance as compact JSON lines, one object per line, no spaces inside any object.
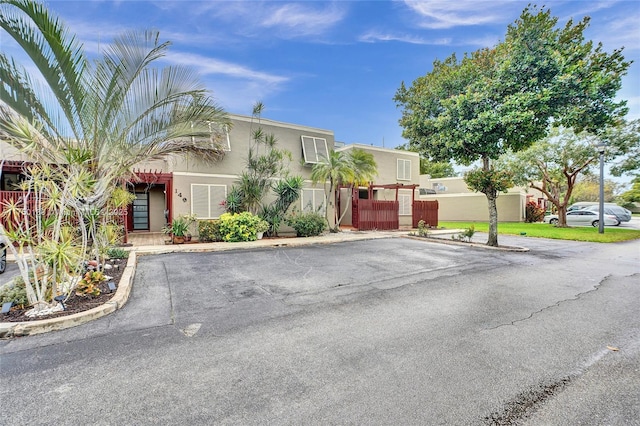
{"x":375,"y":214}
{"x":427,"y":211}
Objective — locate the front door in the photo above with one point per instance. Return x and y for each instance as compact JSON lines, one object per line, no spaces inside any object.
{"x":141,"y":212}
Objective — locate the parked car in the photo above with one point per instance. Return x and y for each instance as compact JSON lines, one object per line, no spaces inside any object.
{"x":584,"y":218}
{"x":3,"y":258}
{"x":621,"y":213}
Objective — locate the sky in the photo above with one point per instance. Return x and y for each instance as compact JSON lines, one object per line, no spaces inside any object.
{"x":334,"y":65}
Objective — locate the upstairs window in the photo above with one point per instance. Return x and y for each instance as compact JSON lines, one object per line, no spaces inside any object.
{"x":314,"y":150}
{"x":404,"y":169}
{"x":223,"y":133}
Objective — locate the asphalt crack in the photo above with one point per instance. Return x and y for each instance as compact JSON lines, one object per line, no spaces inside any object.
{"x":555,"y":305}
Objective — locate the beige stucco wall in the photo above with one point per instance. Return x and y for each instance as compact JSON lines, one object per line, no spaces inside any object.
{"x":474,"y":207}
{"x":458,"y":203}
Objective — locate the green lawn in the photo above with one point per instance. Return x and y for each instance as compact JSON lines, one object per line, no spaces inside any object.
{"x":544,"y":230}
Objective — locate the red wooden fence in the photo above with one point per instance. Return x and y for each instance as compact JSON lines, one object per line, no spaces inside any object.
{"x":427,"y":211}
{"x":375,"y":214}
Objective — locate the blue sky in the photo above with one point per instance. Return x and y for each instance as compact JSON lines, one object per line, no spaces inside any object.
{"x":334,"y":64}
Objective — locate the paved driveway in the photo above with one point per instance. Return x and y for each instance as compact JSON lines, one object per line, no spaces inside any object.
{"x":392,"y":331}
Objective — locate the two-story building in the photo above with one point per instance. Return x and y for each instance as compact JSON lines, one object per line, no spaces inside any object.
{"x":180,"y":185}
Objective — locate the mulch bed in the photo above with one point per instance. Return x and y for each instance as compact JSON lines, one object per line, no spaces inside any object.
{"x":75,"y":303}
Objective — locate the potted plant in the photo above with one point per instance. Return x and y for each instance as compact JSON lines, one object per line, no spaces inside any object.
{"x":178,"y":229}
{"x":261,"y":228}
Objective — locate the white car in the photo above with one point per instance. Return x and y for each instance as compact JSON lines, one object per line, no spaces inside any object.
{"x":583,"y":218}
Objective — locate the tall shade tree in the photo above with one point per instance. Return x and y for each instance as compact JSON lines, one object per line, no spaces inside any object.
{"x":95,"y":120}
{"x":356,"y":167}
{"x":504,"y":98}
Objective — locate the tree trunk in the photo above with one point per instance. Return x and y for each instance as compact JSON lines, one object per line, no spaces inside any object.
{"x":562,"y":215}
{"x":493,"y":220}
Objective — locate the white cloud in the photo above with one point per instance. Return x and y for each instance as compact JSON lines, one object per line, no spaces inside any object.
{"x":441,"y":14}
{"x":282,"y":19}
{"x":301,"y":19}
{"x":208,"y":66}
{"x":374,"y":36}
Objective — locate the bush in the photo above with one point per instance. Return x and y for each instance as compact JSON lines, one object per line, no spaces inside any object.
{"x":15,"y":292}
{"x":307,"y":224}
{"x":89,"y":284}
{"x":239,"y":227}
{"x":209,"y":230}
{"x":533,"y":213}
{"x":423,"y":229}
{"x":117,"y":253}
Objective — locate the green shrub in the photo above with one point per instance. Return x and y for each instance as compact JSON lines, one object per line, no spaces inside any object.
{"x":209,"y":230}
{"x":465,"y":235}
{"x":423,"y":229}
{"x":117,"y":253}
{"x":307,"y":224}
{"x":239,"y":227}
{"x":14,"y":291}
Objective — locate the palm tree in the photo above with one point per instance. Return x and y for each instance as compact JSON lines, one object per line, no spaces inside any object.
{"x":355,"y":168}
{"x":364,"y":169}
{"x":97,"y":120}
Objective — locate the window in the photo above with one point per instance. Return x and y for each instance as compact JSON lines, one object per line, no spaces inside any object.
{"x":218,"y":136}
{"x":314,"y":150}
{"x":404,"y":202}
{"x":206,"y":199}
{"x":404,"y":169}
{"x":223,"y":136}
{"x":427,"y":191}
{"x":312,"y":200}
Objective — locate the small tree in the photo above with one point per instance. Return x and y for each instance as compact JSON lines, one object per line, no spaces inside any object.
{"x":266,"y":171}
{"x":554,"y":164}
{"x":355,"y":168}
{"x":632,"y":196}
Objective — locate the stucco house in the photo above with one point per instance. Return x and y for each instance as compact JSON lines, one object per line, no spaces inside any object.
{"x":180,"y":185}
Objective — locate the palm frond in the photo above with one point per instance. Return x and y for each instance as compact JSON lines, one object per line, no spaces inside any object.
{"x":57,"y":55}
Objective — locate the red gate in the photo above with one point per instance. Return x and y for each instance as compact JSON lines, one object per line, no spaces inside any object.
{"x":375,"y":214}
{"x":427,"y":211}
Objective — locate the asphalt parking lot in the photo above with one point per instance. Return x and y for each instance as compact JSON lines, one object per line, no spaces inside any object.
{"x":379,"y":332}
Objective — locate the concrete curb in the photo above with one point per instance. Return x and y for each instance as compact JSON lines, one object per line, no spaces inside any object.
{"x":16,"y":329}
{"x":439,"y":240}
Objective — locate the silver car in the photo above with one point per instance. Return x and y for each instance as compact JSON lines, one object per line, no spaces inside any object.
{"x":583,"y":218}
{"x":621,"y":213}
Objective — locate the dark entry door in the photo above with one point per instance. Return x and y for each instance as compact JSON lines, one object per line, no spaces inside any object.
{"x":141,"y":212}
